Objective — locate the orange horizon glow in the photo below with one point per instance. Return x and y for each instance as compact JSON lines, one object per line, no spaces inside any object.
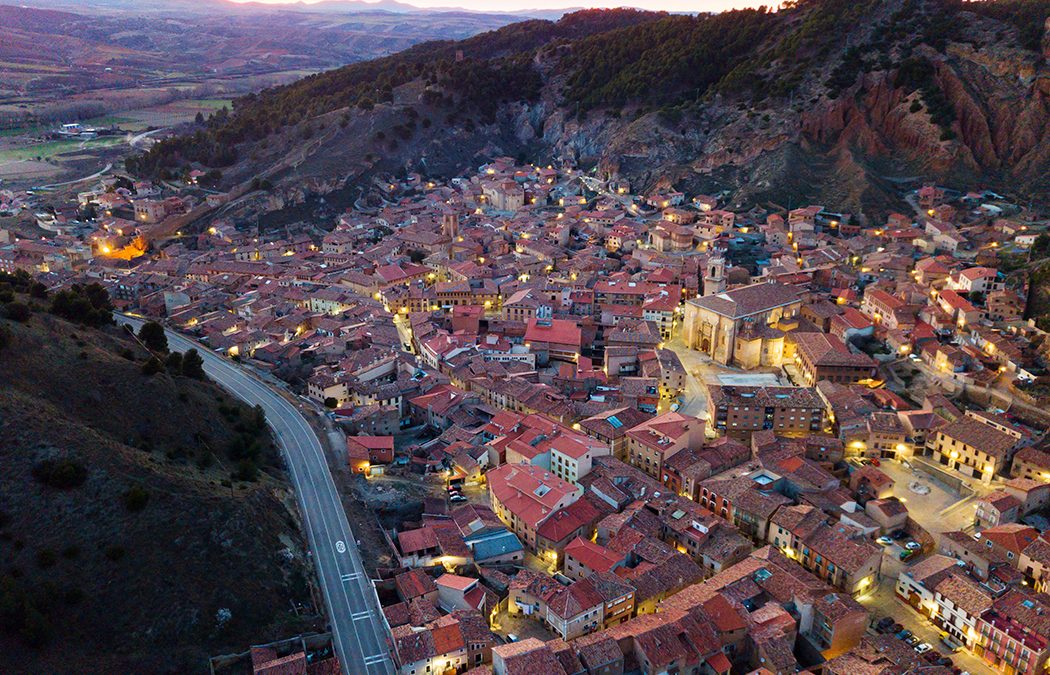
{"x":550,"y":5}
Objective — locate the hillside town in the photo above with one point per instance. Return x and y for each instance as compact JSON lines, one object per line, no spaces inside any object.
{"x":639,"y":432}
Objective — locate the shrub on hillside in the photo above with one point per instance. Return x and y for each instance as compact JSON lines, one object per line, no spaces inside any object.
{"x":152,"y":335}
{"x":61,"y":474}
{"x":17,"y":311}
{"x":152,"y":367}
{"x":193,"y":365}
{"x":88,"y":305}
{"x":174,"y":363}
{"x":136,"y":498}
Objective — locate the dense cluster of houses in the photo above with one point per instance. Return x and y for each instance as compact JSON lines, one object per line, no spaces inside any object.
{"x":534,"y":320}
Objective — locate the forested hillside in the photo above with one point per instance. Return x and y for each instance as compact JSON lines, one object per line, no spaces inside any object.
{"x":733,"y":94}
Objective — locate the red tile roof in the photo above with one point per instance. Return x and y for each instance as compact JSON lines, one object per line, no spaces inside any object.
{"x":554,"y":331}
{"x":592,"y":556}
{"x":532,"y":493}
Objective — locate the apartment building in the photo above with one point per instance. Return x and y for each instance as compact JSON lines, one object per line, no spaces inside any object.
{"x":1015,"y":633}
{"x":789,"y":411}
{"x":820,"y":356}
{"x":524,"y":496}
{"x":972,"y":447}
{"x":654,"y":441}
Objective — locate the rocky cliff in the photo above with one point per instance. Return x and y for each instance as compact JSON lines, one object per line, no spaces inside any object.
{"x":833,"y":101}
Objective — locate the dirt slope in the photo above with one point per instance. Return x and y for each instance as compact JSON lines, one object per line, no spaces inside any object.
{"x":130,"y":570}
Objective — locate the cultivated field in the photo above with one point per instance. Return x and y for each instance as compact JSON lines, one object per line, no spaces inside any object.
{"x":160,"y":116}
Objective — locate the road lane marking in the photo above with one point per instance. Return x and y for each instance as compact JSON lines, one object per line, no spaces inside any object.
{"x":340,"y":546}
{"x":298,"y":440}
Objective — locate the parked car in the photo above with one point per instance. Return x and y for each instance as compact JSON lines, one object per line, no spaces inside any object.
{"x":912,"y":640}
{"x":457,"y":498}
{"x":884,"y":540}
{"x":875,"y":461}
{"x":913,"y":546}
{"x":907,"y":555}
{"x":884,"y":622}
{"x":923,"y":647}
{"x":950,"y":642}
{"x":903,"y":635}
{"x":511,"y":637}
{"x":899,"y":534}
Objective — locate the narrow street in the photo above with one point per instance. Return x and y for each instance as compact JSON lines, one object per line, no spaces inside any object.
{"x":884,"y":602}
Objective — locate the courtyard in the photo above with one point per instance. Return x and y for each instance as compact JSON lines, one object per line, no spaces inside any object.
{"x":941,"y":509}
{"x":701,"y":371}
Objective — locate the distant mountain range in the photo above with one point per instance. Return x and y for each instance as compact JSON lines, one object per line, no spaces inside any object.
{"x":186,"y":8}
{"x":136,"y":45}
{"x":835,"y":101}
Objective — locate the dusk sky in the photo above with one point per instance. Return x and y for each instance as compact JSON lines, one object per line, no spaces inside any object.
{"x":517,"y":5}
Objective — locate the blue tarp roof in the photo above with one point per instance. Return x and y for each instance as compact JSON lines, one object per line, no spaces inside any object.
{"x":494,"y":544}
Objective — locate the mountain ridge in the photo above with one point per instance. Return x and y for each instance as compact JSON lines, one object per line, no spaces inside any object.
{"x":859,"y":91}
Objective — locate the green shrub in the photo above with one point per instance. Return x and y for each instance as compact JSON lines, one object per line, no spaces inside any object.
{"x":46,"y":558}
{"x":61,"y":474}
{"x":17,"y":311}
{"x":115,"y":553}
{"x":153,"y":336}
{"x":174,"y":363}
{"x":193,"y":365}
{"x":136,"y":498}
{"x":152,"y":367}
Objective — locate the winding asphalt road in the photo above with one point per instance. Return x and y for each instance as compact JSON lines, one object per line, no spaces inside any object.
{"x":358,"y":626}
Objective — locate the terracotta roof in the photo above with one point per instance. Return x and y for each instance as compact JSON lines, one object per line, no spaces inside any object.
{"x":591,"y":555}
{"x":565,"y":521}
{"x":554,"y":331}
{"x":965,"y":593}
{"x":1034,"y":456}
{"x":979,"y":435}
{"x":829,"y":351}
{"x":528,"y":657}
{"x":530,"y":492}
{"x":455,"y":581}
{"x":1001,"y":501}
{"x":748,"y":300}
{"x":1011,"y":536}
{"x":413,"y":541}
{"x":414,"y":583}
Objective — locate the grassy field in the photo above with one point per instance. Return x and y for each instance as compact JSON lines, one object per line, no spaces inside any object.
{"x":19,"y":131}
{"x":32,"y":67}
{"x":52,"y":149}
{"x":210,"y":103}
{"x":165,"y":115}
